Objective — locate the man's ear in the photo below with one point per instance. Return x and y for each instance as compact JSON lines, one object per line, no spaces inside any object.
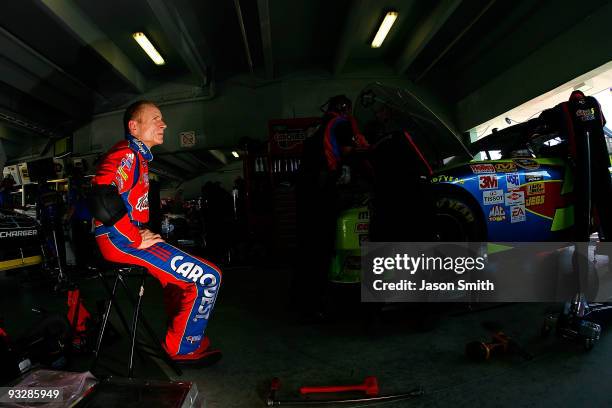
{"x":132,"y":125}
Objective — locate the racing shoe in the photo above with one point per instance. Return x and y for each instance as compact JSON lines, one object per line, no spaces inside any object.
{"x":203,"y":356}
{"x":206,"y":359}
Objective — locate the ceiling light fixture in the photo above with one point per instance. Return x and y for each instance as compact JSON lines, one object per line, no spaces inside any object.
{"x":235,"y":154}
{"x":384,"y":28}
{"x":146,"y":45}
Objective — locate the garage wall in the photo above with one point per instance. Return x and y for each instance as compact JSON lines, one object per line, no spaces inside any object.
{"x":239,"y":110}
{"x":225,"y":175}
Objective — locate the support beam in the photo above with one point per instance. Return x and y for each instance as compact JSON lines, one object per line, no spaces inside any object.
{"x":178,"y":35}
{"x":86,"y":30}
{"x":424,"y":33}
{"x":263,"y":8}
{"x":14,"y":120}
{"x":347,"y":41}
{"x":23,"y":55}
{"x":457,"y":38}
{"x":245,"y":39}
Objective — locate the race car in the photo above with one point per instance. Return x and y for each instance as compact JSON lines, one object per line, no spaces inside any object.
{"x":512,"y":185}
{"x":20,"y":245}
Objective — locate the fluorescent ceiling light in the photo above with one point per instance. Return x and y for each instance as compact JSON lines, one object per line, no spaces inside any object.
{"x":146,"y":45}
{"x":384,"y":28}
{"x":235,"y":154}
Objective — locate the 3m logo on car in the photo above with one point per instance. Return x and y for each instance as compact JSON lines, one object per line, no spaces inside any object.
{"x":515,"y":197}
{"x":497,"y":213}
{"x":482,"y":168}
{"x":487,"y":182}
{"x":492,"y":197}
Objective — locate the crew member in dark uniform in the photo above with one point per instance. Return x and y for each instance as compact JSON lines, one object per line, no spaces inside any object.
{"x":332,"y":156}
{"x":581,"y":122}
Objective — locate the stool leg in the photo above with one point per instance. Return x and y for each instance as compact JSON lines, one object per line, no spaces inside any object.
{"x":135,"y":327}
{"x":124,"y":321}
{"x":105,"y":320}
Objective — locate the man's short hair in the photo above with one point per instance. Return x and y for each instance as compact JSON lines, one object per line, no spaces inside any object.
{"x":131,"y":112}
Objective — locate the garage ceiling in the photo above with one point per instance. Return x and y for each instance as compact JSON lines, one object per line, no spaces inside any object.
{"x":62,"y":61}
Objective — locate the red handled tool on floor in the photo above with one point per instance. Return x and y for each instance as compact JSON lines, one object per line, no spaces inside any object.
{"x":369,"y":386}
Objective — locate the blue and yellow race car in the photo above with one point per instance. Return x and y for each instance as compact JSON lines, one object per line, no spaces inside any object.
{"x":513,"y":185}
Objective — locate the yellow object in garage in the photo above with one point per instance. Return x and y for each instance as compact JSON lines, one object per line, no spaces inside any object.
{"x":20,"y":263}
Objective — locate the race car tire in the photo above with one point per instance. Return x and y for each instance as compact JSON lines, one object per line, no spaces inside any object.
{"x":458,"y":219}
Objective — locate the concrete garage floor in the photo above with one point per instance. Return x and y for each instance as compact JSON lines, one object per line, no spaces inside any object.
{"x":260,"y":340}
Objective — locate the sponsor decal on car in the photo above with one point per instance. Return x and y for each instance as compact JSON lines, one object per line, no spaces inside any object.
{"x":515,"y":197}
{"x":447,"y":179}
{"x":535,"y":189}
{"x":497,"y":213}
{"x":517,"y":213}
{"x":487,"y":182}
{"x":531,"y":177}
{"x":527,"y":164}
{"x":362,"y":227}
{"x":491,"y":197}
{"x":363,"y":238}
{"x":505,"y":167}
{"x":535,"y":200}
{"x":482,"y":168}
{"x":513,"y":181}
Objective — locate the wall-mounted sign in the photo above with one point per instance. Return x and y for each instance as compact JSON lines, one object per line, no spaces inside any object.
{"x":287,"y":136}
{"x":187,"y":139}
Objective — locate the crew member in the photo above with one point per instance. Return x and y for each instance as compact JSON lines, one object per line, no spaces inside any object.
{"x":581,"y":121}
{"x":331,"y":157}
{"x":50,"y":214}
{"x":120,"y":208}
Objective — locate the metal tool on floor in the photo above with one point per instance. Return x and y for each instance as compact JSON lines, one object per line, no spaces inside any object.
{"x":580,"y":321}
{"x":370,"y":387}
{"x":500,"y":344}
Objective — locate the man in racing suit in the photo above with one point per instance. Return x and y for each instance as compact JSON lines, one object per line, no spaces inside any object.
{"x":121,"y":210}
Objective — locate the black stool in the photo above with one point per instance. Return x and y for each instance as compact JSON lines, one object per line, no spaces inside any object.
{"x":122,"y":272}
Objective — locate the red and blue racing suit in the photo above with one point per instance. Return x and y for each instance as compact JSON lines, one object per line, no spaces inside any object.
{"x":190,"y":283}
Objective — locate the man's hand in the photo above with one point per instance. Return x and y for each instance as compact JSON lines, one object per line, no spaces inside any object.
{"x":149,"y":239}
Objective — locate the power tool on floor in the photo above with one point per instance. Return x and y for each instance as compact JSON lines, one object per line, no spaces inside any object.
{"x":499,"y":344}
